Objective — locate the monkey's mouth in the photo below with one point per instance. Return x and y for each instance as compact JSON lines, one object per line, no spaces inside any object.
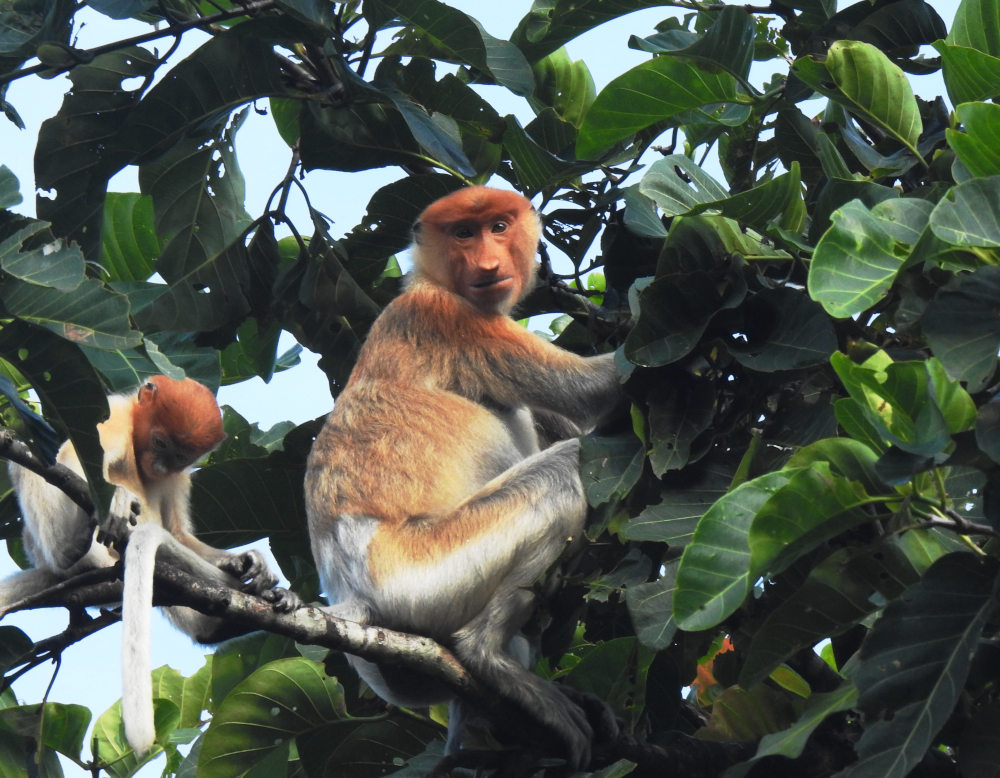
{"x":489,"y":283}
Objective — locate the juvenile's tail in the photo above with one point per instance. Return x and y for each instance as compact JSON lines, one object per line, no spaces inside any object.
{"x":137,"y":609}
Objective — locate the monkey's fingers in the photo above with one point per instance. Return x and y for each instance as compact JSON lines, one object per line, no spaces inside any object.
{"x":283,"y":600}
{"x":251,"y":569}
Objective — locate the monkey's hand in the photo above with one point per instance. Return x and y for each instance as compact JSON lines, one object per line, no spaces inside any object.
{"x":124,"y":515}
{"x":283,"y":600}
{"x":251,"y":569}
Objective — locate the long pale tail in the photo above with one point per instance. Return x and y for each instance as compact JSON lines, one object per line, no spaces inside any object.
{"x":137,"y":609}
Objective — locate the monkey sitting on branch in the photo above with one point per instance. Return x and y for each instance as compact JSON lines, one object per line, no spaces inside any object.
{"x":432,"y":509}
{"x":151,"y":440}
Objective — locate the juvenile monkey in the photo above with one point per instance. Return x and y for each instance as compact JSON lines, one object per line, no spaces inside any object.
{"x":431,"y":508}
{"x":151,"y":439}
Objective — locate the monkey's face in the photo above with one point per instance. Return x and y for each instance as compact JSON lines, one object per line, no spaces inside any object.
{"x":164,"y":456}
{"x":486,"y":269}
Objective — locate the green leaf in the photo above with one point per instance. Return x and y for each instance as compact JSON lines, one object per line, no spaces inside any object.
{"x":13,"y":645}
{"x":791,"y":742}
{"x":10,"y":188}
{"x":615,"y":671}
{"x":465,"y":38}
{"x":679,"y":411}
{"x":654,"y":91}
{"x":838,"y":593}
{"x":976,"y":26}
{"x":726,"y":45}
{"x":863,"y":80}
{"x":854,"y":263}
{"x":651,"y":606}
{"x":534,"y":166}
{"x":62,"y":727}
{"x":812,"y":507}
{"x":111,"y":748}
{"x":979,"y":146}
{"x":69,"y":391}
{"x":913,"y":664}
{"x":131,"y":246}
{"x":713,"y":576}
{"x":74,"y":155}
{"x":359,"y":136}
{"x":848,"y":458}
{"x":284,"y":699}
{"x":551,"y":23}
{"x":784,"y":330}
{"x":564,"y":85}
{"x":610,"y":466}
{"x":430,"y":133}
{"x":969,"y":74}
{"x":366,"y":751}
{"x":956,"y":405}
{"x":899,"y":401}
{"x":50,"y":265}
{"x":969,"y":214}
{"x":674,"y":519}
{"x":677,"y":185}
{"x":962,"y":329}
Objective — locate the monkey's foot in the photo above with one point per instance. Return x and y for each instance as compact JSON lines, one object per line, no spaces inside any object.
{"x":282,"y":600}
{"x":568,"y":719}
{"x":599,"y":714}
{"x":251,"y":569}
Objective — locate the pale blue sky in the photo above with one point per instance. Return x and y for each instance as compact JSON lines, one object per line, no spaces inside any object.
{"x":91,"y":670}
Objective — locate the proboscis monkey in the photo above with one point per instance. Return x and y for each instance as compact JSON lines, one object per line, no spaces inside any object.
{"x":150,"y":440}
{"x":431,"y":508}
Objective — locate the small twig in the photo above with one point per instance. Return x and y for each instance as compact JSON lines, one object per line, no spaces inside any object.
{"x":366,"y":53}
{"x":58,"y":475}
{"x":173,"y":29}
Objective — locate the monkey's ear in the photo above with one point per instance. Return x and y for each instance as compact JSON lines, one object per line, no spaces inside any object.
{"x":147,"y":392}
{"x":418,"y":227}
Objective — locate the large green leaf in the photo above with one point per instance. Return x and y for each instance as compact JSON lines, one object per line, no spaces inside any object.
{"x":51,"y":264}
{"x":467,"y":41}
{"x":534,"y":166}
{"x":969,"y":74}
{"x":564,"y":85}
{"x":837,"y":595}
{"x":791,"y":742}
{"x":714,"y":574}
{"x":913,"y":664}
{"x":283,"y":699}
{"x":677,"y":185}
{"x":10,"y":188}
{"x":969,"y":214}
{"x":962,"y":329}
{"x":62,"y":727}
{"x":610,"y":466}
{"x":812,"y":507}
{"x":854,"y":263}
{"x":783,"y":330}
{"x":131,"y":246}
{"x":863,"y":80}
{"x":71,"y":157}
{"x":651,"y":607}
{"x":679,"y":411}
{"x":112,"y":749}
{"x":979,"y":146}
{"x":551,"y":23}
{"x":976,"y":26}
{"x":370,"y":750}
{"x":69,"y":390}
{"x":726,"y":45}
{"x":91,"y":315}
{"x":649,"y":93}
{"x":674,"y":518}
{"x":224,"y":73}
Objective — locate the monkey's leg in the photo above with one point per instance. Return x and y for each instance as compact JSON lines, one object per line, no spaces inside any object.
{"x":494,"y":547}
{"x":25,"y":583}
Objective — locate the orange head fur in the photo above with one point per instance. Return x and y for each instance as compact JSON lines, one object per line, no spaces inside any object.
{"x":173,"y":424}
{"x":480,"y":244}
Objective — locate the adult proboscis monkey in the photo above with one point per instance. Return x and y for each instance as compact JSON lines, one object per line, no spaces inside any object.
{"x":431,"y":508}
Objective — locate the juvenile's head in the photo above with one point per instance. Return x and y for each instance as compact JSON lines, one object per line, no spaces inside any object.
{"x":174,"y":423}
{"x":480,"y":244}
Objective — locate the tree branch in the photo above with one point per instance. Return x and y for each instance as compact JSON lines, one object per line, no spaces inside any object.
{"x":312,"y":626}
{"x":173,"y":29}
{"x":58,"y":475}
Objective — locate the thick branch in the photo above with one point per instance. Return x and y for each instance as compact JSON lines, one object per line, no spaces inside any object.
{"x":309,"y":625}
{"x":174,"y":29}
{"x":58,"y":475}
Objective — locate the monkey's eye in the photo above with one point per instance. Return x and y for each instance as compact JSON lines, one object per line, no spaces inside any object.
{"x":499,"y":227}
{"x":463,"y":233}
{"x":159,"y":443}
